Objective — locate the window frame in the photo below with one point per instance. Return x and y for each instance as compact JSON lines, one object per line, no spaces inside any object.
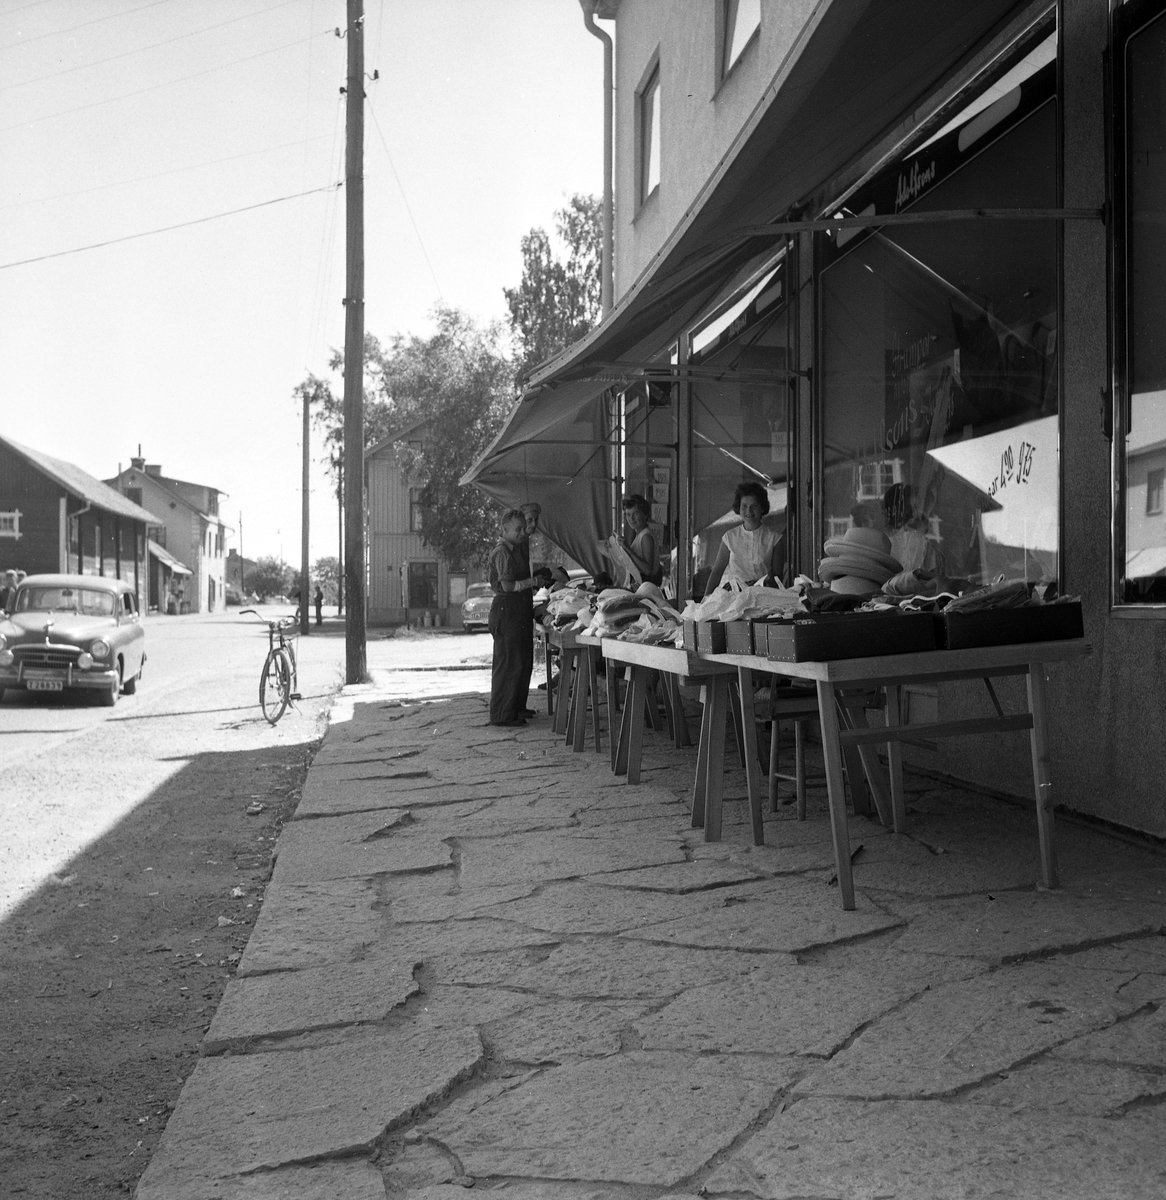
{"x":1126,"y":21}
{"x":650,"y":85}
{"x":10,"y":524}
{"x":725,"y":10}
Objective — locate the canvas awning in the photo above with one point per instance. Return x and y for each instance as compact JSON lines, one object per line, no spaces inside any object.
{"x":857,"y":70}
{"x":167,"y":559}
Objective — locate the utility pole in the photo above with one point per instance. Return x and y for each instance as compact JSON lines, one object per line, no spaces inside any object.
{"x":340,"y":538}
{"x":354,"y":639}
{"x":305,"y":627}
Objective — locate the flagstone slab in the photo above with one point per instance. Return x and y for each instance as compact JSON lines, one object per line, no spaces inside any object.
{"x":607,"y":969}
{"x":354,"y":1179}
{"x":1004,"y":926}
{"x":445,"y":902}
{"x":634,"y":1118}
{"x":800,"y":915}
{"x":251,"y":1112}
{"x":288,"y":1002}
{"x":1139,"y":1041}
{"x":668,"y":815}
{"x":962,"y":1032}
{"x":914,"y":1150}
{"x":358,"y":845}
{"x":786,"y":1008}
{"x":560,"y":1030}
{"x":679,"y":878}
{"x":557,"y":855}
{"x":1056,"y":1087}
{"x":374,"y":750}
{"x":310,"y":924}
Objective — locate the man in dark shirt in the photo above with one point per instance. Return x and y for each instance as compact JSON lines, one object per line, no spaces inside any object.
{"x":511,"y":623}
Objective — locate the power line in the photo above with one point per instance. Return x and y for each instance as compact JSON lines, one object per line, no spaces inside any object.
{"x":405,"y":198}
{"x":142,"y":49}
{"x":167,"y":83}
{"x":214,"y":162}
{"x":129,"y":237}
{"x":37,"y":37}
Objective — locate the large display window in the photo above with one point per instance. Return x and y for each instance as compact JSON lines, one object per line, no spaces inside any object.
{"x":1140,"y":211}
{"x":938,"y":349}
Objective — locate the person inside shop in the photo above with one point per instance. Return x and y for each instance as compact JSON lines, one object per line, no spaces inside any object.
{"x":511,"y":623}
{"x":642,"y":546}
{"x":752,"y":552}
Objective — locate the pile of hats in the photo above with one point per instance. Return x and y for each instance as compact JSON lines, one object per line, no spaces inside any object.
{"x":858,"y":562}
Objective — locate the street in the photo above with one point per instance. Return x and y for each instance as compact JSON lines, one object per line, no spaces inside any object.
{"x":136,"y":845}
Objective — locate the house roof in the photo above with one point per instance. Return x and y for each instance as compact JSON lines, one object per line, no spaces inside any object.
{"x":168,"y":486}
{"x":81,"y":483}
{"x":396,"y":436}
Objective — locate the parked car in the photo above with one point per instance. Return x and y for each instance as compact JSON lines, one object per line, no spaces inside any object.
{"x":476,"y":607}
{"x":72,"y":633}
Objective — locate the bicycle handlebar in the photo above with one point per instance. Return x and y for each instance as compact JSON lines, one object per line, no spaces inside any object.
{"x":280,"y":623}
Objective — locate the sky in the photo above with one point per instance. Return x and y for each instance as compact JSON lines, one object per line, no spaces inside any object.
{"x":120,"y":118}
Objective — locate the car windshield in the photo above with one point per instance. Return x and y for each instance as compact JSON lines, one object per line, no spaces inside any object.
{"x":87,"y":601}
{"x":476,"y":590}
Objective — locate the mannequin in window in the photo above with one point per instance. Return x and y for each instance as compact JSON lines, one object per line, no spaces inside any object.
{"x":751,"y":552}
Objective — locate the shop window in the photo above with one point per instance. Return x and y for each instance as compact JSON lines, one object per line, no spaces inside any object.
{"x":10,"y":524}
{"x":423,"y":585}
{"x":741,"y":19}
{"x":939,"y":354}
{"x":648,"y":124}
{"x":1140,"y":422}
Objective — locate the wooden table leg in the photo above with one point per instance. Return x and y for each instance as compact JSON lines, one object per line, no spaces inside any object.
{"x":738,"y":730}
{"x":828,"y":715}
{"x":718,"y":711}
{"x":1042,"y":785}
{"x":563,"y":702}
{"x":800,"y":764}
{"x":649,"y":699}
{"x":636,"y":733}
{"x":774,"y":739}
{"x":666,"y":697}
{"x":593,"y":691}
{"x":613,"y":724}
{"x":547,"y":658}
{"x":700,"y":784}
{"x":625,"y":730}
{"x":752,"y":761}
{"x":683,"y":737}
{"x":579,"y":701}
{"x":895,"y":760}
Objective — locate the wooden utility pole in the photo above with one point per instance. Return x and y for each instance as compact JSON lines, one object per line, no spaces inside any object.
{"x":340,"y":539}
{"x":305,"y":627}
{"x":354,"y":641}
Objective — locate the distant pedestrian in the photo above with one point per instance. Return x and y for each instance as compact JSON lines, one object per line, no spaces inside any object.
{"x":319,"y":605}
{"x":7,"y":591}
{"x":511,"y":623}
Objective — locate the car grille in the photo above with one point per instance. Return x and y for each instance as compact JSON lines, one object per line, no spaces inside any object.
{"x":45,"y":656}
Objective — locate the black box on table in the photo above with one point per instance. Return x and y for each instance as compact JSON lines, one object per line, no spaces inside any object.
{"x":822,"y":637}
{"x":1010,"y":626}
{"x":710,"y":637}
{"x":738,"y":637}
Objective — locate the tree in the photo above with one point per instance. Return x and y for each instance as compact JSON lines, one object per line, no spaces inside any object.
{"x":268,"y":577}
{"x":326,"y":572}
{"x":558,"y":301}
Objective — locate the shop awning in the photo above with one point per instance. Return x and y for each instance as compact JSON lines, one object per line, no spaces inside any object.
{"x":168,"y":560}
{"x":858,"y":70}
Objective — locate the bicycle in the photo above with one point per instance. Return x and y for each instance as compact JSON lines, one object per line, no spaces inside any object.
{"x":279,"y":680}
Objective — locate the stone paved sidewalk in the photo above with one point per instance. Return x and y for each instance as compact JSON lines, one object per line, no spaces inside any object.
{"x":482,"y":961}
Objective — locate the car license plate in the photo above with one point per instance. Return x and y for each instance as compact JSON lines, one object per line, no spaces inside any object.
{"x":44,"y":685}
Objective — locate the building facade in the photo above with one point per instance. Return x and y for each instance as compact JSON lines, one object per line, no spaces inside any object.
{"x":56,"y":519}
{"x":192,"y":533}
{"x":901,"y":262}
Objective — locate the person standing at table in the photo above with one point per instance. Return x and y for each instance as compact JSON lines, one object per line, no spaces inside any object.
{"x":751,"y":552}
{"x":642,"y":548}
{"x":511,"y":623}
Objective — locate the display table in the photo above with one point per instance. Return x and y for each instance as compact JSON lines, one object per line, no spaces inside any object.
{"x":892,"y":672}
{"x":562,"y":640}
{"x":673,"y":664}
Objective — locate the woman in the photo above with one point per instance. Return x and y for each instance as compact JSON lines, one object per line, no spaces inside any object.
{"x":750,"y":552}
{"x":642,"y":548}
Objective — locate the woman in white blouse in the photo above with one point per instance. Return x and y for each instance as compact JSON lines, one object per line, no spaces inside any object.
{"x":750,"y":552}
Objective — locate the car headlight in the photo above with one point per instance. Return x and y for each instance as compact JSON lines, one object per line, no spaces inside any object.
{"x":84,"y":661}
{"x":99,"y":649}
{"x":6,"y":657}
{"x":3,"y":642}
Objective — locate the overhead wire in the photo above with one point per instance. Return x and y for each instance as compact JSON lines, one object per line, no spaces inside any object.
{"x":143,"y":49}
{"x":39,"y":37}
{"x":165,"y":83}
{"x":130,"y":237}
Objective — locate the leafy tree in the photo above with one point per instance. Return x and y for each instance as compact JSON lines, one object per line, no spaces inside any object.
{"x":326,"y":572}
{"x":557,"y":301}
{"x":268,"y":577}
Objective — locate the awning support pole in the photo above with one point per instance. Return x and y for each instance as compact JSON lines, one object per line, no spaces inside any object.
{"x":683,"y":470}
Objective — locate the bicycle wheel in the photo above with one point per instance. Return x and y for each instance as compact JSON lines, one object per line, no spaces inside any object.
{"x":275,"y":685}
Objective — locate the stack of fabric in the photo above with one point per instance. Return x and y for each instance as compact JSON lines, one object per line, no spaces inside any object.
{"x":564,"y":606}
{"x":659,"y":625}
{"x":749,"y":602}
{"x":859,"y":562}
{"x":615,"y":609}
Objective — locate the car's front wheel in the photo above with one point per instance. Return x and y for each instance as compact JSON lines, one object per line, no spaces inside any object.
{"x":131,"y":685}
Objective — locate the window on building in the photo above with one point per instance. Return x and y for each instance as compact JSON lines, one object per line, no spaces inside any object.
{"x":741,"y":20}
{"x":939,"y":353}
{"x":416,"y":512}
{"x":10,"y":524}
{"x":1140,"y":414}
{"x":423,"y":585}
{"x":1154,"y":490}
{"x":649,"y":131}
